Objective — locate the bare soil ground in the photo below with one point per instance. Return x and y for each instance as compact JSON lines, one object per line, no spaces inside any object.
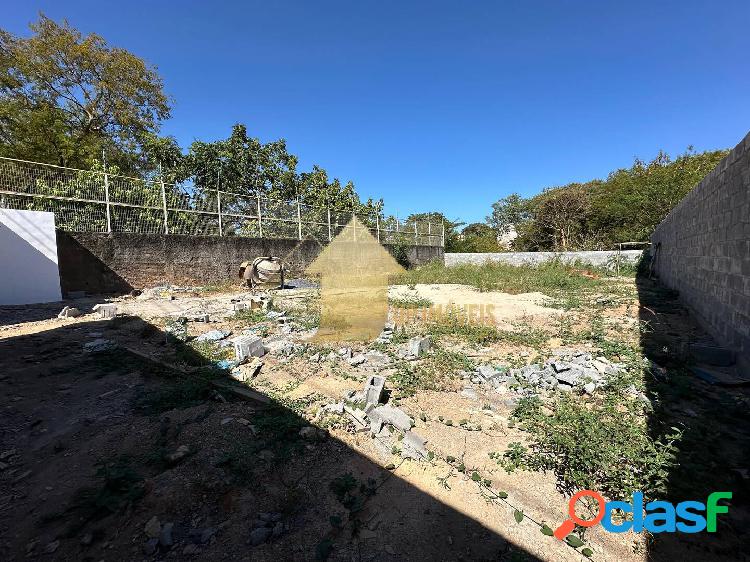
{"x":99,"y":452}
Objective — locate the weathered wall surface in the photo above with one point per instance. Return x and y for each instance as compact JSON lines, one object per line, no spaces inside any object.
{"x":120,"y":262}
{"x":702,"y":249}
{"x":599,"y":258}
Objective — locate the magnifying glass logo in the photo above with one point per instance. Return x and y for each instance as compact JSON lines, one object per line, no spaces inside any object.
{"x":569,"y":524}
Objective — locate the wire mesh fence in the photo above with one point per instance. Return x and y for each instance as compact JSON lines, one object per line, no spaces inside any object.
{"x":97,"y":201}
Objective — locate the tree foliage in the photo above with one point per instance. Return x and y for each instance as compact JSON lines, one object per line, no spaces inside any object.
{"x":625,"y":207}
{"x":64,"y":97}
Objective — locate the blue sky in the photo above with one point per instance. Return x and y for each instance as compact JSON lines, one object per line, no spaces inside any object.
{"x":442,"y":105}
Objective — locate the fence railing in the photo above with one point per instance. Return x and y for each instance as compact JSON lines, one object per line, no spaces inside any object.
{"x":98,"y":201}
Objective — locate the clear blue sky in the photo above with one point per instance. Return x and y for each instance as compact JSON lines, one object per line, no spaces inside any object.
{"x":442,"y":105}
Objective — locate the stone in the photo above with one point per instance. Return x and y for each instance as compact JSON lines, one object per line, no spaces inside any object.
{"x":315,"y":358}
{"x":345,"y":352}
{"x":589,"y":388}
{"x":107,"y":310}
{"x":149,"y":547}
{"x":394,"y":416}
{"x":165,"y":538}
{"x":486,"y":371}
{"x":153,"y":528}
{"x":248,"y":346}
{"x":571,"y":378}
{"x":280,"y":347}
{"x":560,"y":366}
{"x":469,"y":393}
{"x":357,"y":360}
{"x":260,"y":535}
{"x":69,"y":312}
{"x":419,"y":345}
{"x":374,"y":389}
{"x":99,"y":345}
{"x":212,"y":335}
{"x":181,"y":452}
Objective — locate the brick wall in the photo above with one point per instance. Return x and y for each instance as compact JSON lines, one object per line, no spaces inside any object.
{"x":702,"y":249}
{"x":120,"y":262}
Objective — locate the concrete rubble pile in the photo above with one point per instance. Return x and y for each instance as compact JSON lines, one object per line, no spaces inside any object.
{"x":566,"y":371}
{"x":368,"y":412}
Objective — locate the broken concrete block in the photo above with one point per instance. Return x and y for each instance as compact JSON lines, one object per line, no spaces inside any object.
{"x":414,"y":445}
{"x":239,"y":306}
{"x":569,"y":377}
{"x":280,"y":347}
{"x":69,"y":312}
{"x":394,"y":416}
{"x":107,"y":310}
{"x":589,"y":388}
{"x":357,"y":360}
{"x":99,"y":345}
{"x":486,"y":371}
{"x":374,"y":389}
{"x":560,"y":366}
{"x":419,"y":345}
{"x":212,"y":335}
{"x":248,"y":346}
{"x":712,"y":355}
{"x":377,"y":359}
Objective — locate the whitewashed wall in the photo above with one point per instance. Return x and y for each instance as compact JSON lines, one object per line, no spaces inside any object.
{"x":28,"y":257}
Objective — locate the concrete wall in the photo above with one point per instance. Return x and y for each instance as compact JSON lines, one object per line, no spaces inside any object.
{"x":601,"y":258}
{"x":28,"y":257}
{"x":120,"y":262}
{"x":702,"y":249}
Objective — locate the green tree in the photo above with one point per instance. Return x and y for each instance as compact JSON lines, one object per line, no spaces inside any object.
{"x":508,"y":212}
{"x":64,"y":97}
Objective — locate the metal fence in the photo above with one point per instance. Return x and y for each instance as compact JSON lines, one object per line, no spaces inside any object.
{"x":95,"y":201}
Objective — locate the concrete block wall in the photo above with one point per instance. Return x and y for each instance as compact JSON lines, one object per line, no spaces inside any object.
{"x":702,"y":250}
{"x":596,"y":258}
{"x":120,"y":262}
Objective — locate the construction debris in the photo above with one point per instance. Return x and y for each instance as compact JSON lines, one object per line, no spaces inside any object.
{"x":213,"y":335}
{"x":248,"y":346}
{"x":99,"y":345}
{"x":106,"y":310}
{"x":69,"y":312}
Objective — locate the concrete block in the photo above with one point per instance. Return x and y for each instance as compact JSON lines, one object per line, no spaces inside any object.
{"x":413,"y":446}
{"x":394,"y":416}
{"x":419,"y":345}
{"x":486,"y":371}
{"x":248,"y":346}
{"x":107,"y":310}
{"x":374,"y":389}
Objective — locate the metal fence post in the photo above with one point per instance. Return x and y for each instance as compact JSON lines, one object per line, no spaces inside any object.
{"x":218,"y":204}
{"x":106,"y":195}
{"x":299,"y":219}
{"x":260,"y":222}
{"x":415,"y":233}
{"x":429,"y":233}
{"x":164,"y":201}
{"x":377,"y":224}
{"x":443,"y":235}
{"x":329,"y":223}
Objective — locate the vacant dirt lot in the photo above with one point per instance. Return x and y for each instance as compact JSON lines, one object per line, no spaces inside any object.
{"x":144,"y":445}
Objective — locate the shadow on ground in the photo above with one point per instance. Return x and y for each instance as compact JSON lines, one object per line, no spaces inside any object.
{"x":714,"y":452}
{"x":95,"y":445}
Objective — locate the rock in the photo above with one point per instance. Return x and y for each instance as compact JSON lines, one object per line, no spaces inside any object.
{"x":486,"y":371}
{"x":51,"y":547}
{"x":99,"y":345}
{"x":312,"y":433}
{"x":153,"y":528}
{"x":469,"y":393}
{"x":280,"y":347}
{"x":213,"y":335}
{"x":149,"y":547}
{"x":315,"y":358}
{"x":571,"y":378}
{"x":165,"y":538}
{"x":345,"y":352}
{"x":560,"y":366}
{"x":419,"y":345}
{"x":69,"y":312}
{"x":589,"y":388}
{"x":357,"y":360}
{"x":181,"y":452}
{"x":374,"y":389}
{"x":260,"y":535}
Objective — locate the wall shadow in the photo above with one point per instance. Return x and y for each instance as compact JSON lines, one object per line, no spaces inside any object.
{"x":68,"y":416}
{"x":82,"y":270}
{"x":714,"y":452}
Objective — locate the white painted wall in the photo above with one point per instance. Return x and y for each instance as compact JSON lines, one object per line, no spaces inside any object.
{"x":28,"y":257}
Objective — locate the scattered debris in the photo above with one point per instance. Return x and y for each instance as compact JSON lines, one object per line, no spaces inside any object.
{"x":213,"y":335}
{"x":106,"y":310}
{"x":374,"y":389}
{"x":419,"y":345}
{"x":99,"y":345}
{"x":248,"y":346}
{"x":69,"y":312}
